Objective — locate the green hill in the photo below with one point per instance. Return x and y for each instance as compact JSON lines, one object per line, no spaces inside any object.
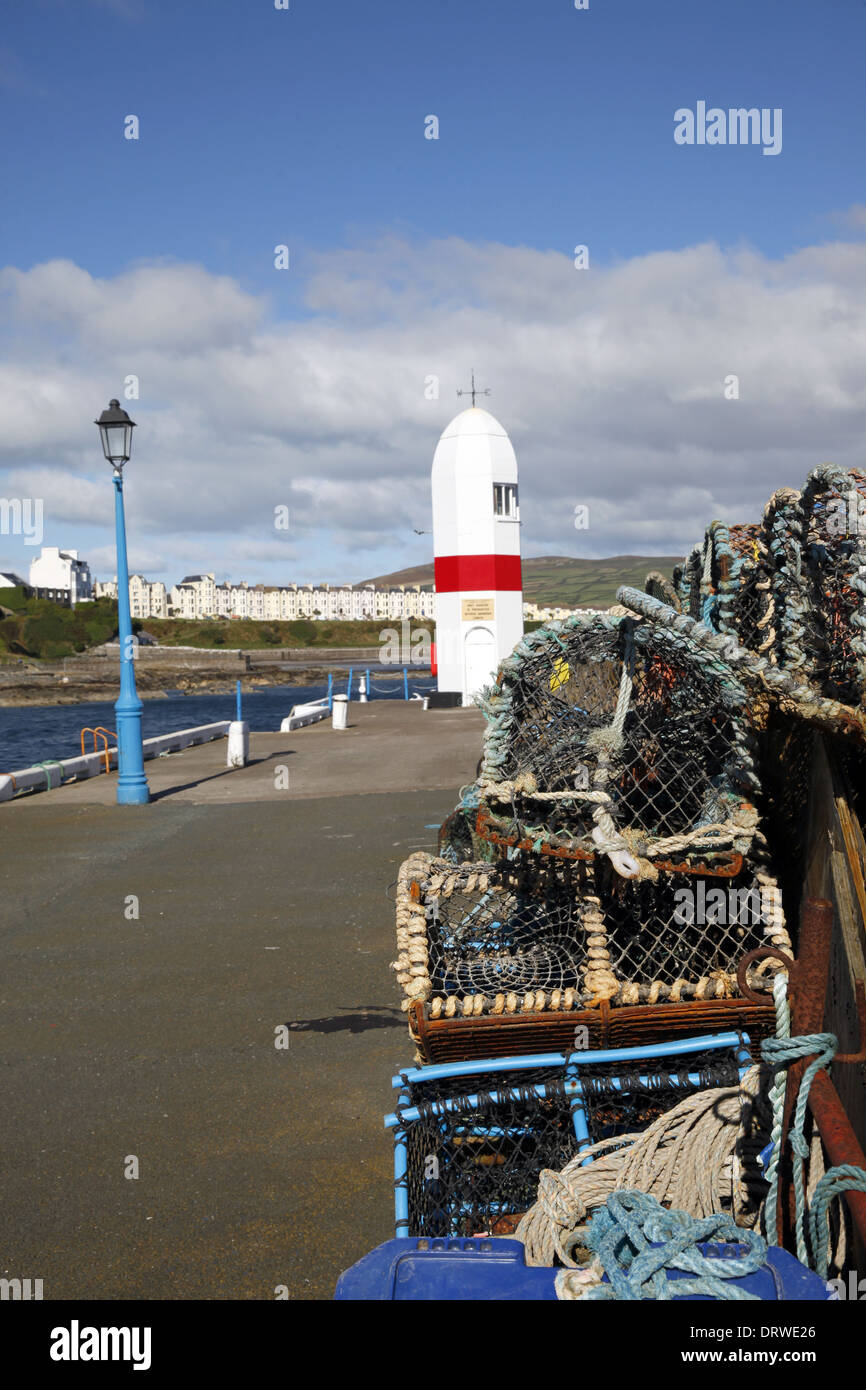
{"x":563,"y":580}
{"x":35,"y":627}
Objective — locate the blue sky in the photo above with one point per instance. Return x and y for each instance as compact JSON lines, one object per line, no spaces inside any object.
{"x":305,"y":127}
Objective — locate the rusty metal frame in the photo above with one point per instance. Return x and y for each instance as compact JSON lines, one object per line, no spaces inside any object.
{"x":728,"y":864}
{"x":808,"y":990}
{"x":502,"y":1035}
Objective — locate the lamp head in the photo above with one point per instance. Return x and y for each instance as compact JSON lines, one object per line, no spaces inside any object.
{"x":115,"y":429}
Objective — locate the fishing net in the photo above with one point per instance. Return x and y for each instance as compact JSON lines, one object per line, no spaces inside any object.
{"x":607,"y":736}
{"x":792,"y":589}
{"x":786,"y":640}
{"x":458,"y":840}
{"x":834,"y":506}
{"x":687,"y":582}
{"x":743,"y":586}
{"x":722,"y":570}
{"x":747,"y":581}
{"x":473,"y":1146}
{"x":662,"y":589}
{"x":455,"y":839}
{"x":534,"y":934}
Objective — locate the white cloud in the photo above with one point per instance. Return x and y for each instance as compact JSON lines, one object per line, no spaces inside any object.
{"x":610,"y":382}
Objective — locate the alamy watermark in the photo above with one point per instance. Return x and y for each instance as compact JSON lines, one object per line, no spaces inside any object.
{"x":850,"y":1290}
{"x":846,"y":515}
{"x":406,"y":647}
{"x":737,"y":126}
{"x":20,"y":1290}
{"x":77,"y":1343}
{"x":22,"y":516}
{"x":732,"y":907}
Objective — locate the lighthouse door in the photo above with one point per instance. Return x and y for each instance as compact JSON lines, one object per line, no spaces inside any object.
{"x":479,"y":660}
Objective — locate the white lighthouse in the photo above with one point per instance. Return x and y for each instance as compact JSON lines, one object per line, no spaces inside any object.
{"x":476,"y":544}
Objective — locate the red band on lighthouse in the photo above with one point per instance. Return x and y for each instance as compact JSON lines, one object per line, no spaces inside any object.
{"x":473,"y":573}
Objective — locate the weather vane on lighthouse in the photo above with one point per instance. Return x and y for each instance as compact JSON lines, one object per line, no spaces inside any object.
{"x":475,"y":391}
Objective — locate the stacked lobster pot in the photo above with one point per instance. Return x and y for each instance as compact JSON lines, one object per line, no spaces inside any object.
{"x":834,"y":556}
{"x":619,"y":874}
{"x":589,"y":962}
{"x":791,"y":590}
{"x":791,"y":593}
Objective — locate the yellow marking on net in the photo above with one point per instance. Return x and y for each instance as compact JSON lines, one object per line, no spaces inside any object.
{"x":561,"y":673}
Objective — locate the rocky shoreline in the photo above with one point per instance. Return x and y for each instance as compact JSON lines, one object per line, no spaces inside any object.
{"x":30,"y":687}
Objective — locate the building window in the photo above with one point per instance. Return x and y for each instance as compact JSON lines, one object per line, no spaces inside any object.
{"x":505,"y":499}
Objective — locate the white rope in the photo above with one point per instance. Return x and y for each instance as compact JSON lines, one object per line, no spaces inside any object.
{"x":686,"y":1159}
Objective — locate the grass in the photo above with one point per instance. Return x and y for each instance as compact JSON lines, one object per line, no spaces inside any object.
{"x":250,"y":634}
{"x":564,"y":581}
{"x":40,"y":629}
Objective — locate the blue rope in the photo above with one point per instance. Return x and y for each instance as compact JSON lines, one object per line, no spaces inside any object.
{"x":777,"y":1052}
{"x":635,"y":1240}
{"x":845,"y":1178}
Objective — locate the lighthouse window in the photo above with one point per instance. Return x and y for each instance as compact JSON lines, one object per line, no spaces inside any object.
{"x":505,"y":499}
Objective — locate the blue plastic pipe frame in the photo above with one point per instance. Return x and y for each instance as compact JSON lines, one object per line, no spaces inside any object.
{"x":571,"y":1062}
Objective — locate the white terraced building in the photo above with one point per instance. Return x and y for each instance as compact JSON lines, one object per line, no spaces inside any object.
{"x":198,"y":596}
{"x":146,"y":600}
{"x":533,"y":612}
{"x":62,"y":570}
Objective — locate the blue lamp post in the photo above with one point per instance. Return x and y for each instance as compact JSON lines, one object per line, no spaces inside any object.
{"x":115,"y":428}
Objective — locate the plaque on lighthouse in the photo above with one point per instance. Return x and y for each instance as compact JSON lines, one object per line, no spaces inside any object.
{"x":477,"y":608}
{"x":476,"y":536}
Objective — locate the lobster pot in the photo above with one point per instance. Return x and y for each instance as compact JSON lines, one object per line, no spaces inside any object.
{"x":688,"y":579}
{"x":610,"y":735}
{"x":728,"y":561}
{"x":458,"y":840}
{"x":455,"y":837}
{"x":785,"y":636}
{"x":834,"y":504}
{"x":736,"y":592}
{"x":472,"y":1141}
{"x":537,"y":934}
{"x":752,"y":582}
{"x":679,"y":938}
{"x":493,"y":937}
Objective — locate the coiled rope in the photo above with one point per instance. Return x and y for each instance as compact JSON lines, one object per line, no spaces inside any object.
{"x":635,"y":1240}
{"x":844,"y":1178}
{"x":693,"y":1158}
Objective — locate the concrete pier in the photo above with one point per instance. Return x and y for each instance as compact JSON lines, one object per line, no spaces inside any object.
{"x":259,"y":904}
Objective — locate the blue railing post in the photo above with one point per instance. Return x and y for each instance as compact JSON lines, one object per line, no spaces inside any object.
{"x":330,"y":690}
{"x":369,"y":686}
{"x":349,"y":686}
{"x":132,"y":788}
{"x":239,"y":715}
{"x":405,"y":684}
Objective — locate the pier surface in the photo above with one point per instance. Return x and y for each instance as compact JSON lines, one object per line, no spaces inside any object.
{"x":259,"y":905}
